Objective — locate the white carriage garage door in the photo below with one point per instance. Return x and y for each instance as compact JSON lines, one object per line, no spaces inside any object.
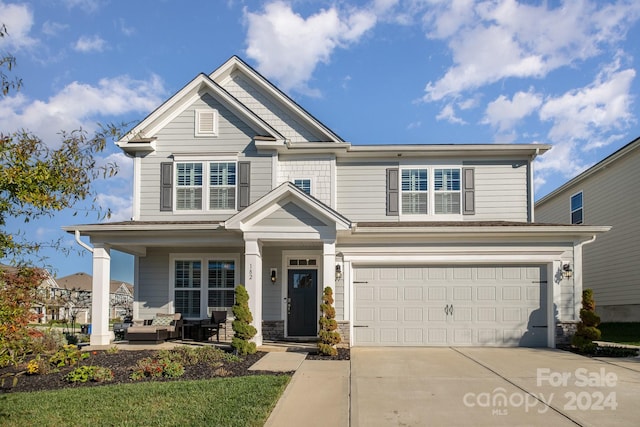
{"x":450,"y":306}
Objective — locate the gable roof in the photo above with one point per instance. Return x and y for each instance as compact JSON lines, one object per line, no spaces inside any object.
{"x":83,"y":281}
{"x":142,"y":136}
{"x":237,"y":65}
{"x":602,"y":164}
{"x":261,"y":208}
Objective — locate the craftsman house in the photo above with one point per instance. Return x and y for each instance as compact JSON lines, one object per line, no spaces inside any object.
{"x":603,"y":194}
{"x":234,"y":183}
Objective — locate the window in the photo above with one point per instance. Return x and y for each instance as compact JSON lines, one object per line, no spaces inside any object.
{"x":189,"y":186}
{"x":303,"y":184}
{"x":221,"y":284}
{"x":222,"y":182}
{"x":577,"y":210}
{"x":414,"y":191}
{"x":220,"y":187}
{"x":446,"y":187}
{"x":206,"y":123}
{"x":203,"y":283}
{"x":188,"y":277}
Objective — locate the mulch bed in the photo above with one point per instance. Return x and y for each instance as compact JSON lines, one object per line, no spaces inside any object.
{"x":343,"y":354}
{"x":122,"y":364}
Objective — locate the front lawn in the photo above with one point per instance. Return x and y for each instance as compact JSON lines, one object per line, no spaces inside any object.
{"x":234,"y":401}
{"x":622,"y":333}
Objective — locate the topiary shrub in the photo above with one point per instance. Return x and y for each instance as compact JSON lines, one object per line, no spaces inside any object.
{"x":587,"y":328}
{"x":328,"y":335}
{"x":242,"y":327}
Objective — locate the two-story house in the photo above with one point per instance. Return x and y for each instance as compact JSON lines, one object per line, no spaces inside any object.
{"x":235,"y":183}
{"x":604,"y":194}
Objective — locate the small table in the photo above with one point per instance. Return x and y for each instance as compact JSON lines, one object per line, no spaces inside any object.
{"x":189,"y":326}
{"x":215,"y":327}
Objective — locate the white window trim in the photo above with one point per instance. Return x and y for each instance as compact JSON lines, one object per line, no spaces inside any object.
{"x":431,"y":167}
{"x":311,"y":184}
{"x":198,"y":131}
{"x":204,"y":259}
{"x":205,"y":182}
{"x":459,"y":191}
{"x":571,"y":210}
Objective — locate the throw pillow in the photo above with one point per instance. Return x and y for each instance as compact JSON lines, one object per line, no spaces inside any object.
{"x":162,"y":321}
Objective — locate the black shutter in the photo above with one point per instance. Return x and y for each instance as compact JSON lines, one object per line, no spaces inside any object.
{"x":468,"y":192}
{"x":392,"y":192}
{"x":244,"y":178}
{"x":166,"y":186}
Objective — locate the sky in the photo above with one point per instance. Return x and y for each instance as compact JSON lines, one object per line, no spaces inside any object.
{"x":375,"y":72}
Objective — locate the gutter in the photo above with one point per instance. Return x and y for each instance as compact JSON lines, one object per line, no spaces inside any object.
{"x":81,"y":243}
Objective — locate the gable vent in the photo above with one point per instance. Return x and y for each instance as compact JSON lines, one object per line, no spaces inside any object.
{"x":206,"y":122}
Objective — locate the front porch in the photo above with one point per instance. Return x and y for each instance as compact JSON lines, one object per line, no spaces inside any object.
{"x":282,"y":248}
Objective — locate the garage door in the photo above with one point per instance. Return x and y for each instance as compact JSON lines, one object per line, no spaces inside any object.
{"x":450,"y":305}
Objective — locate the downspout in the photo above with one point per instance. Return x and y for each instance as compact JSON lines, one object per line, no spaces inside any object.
{"x":81,"y":243}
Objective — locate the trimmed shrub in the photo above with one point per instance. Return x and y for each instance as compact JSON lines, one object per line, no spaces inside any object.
{"x":242,"y":327}
{"x":587,"y":328}
{"x":329,"y":336}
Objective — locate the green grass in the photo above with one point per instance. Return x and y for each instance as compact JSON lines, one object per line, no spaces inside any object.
{"x":622,"y":333}
{"x":234,"y":401}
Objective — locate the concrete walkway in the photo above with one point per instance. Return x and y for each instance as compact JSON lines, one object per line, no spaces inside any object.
{"x":456,"y":386}
{"x":318,"y":395}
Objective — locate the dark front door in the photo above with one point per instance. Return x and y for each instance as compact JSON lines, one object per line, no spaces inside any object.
{"x":302,"y":306}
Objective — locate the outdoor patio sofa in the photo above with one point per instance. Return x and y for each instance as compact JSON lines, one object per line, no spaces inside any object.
{"x":161,"y":328}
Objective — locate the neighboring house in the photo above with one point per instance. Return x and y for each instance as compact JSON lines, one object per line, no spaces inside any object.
{"x":234,"y":183}
{"x":46,"y":306}
{"x":77,"y":291}
{"x":606,"y":193}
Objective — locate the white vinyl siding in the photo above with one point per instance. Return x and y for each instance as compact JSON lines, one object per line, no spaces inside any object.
{"x":610,"y":264}
{"x":272,"y":112}
{"x":234,"y":136}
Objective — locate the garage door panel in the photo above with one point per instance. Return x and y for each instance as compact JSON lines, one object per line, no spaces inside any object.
{"x":437,"y":293}
{"x":461,"y":293}
{"x":413,"y":314}
{"x":450,"y":305}
{"x":486,"y":314}
{"x":389,"y":294}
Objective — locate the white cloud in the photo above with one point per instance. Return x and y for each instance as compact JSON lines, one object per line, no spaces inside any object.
{"x":289,"y":47}
{"x":490,"y":41}
{"x":18,"y":20}
{"x":503,"y":113}
{"x":53,"y":28}
{"x":87,"y":6}
{"x":448,"y":113}
{"x":125,"y":29}
{"x":120,"y":206}
{"x":88,"y":44}
{"x":592,"y":111}
{"x":79,"y":105}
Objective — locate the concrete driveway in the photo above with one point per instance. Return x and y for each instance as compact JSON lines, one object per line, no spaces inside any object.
{"x":491,"y":387}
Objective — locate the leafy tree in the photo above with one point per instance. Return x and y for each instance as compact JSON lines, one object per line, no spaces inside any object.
{"x":17,"y":288}
{"x":37,"y":180}
{"x":242,"y":327}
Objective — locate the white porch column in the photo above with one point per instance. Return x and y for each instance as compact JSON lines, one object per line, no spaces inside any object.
{"x":329,"y":265}
{"x":100,"y":295}
{"x":253,"y":283}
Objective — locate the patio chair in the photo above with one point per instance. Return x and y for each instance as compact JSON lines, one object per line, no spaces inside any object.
{"x":218,"y":321}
